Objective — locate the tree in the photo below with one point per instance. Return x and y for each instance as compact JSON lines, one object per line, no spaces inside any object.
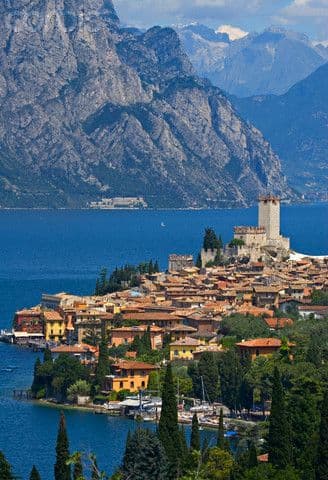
{"x":209,"y":373}
{"x":221,"y":441}
{"x":279,"y":438}
{"x":199,"y":261}
{"x":144,"y":457}
{"x":303,"y":415}
{"x":79,"y":388}
{"x":78,"y":467}
{"x":195,"y":436}
{"x":231,"y":375}
{"x":102,"y":368}
{"x":37,"y":384}
{"x":34,"y":474}
{"x":5,"y":469}
{"x":321,"y":471}
{"x":92,"y":336}
{"x":62,"y":467}
{"x":168,"y":429}
{"x":211,"y":241}
{"x":218,"y":466}
{"x":244,"y":326}
{"x":47,"y":357}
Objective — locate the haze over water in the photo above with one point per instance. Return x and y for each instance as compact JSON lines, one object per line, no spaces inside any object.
{"x":52,"y":251}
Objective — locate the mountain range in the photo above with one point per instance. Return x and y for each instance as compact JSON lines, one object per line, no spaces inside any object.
{"x":90,"y":109}
{"x":269,"y":62}
{"x":296,"y":124}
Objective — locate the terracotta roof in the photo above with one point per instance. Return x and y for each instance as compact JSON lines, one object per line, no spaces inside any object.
{"x":263,"y":458}
{"x":278,"y":322}
{"x":188,"y":341}
{"x":71,"y":349}
{"x":52,"y":315}
{"x":133,"y":365}
{"x":262,"y":342}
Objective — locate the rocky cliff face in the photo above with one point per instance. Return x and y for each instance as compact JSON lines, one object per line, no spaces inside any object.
{"x":269,"y":62}
{"x":90,"y":110}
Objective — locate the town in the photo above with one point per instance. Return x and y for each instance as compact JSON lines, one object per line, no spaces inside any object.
{"x":223,"y":334}
{"x":247,"y":294}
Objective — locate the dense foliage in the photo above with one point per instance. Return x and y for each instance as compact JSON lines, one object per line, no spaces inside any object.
{"x":124,"y":277}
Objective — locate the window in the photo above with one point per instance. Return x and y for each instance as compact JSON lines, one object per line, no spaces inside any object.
{"x":131,"y":384}
{"x":121,"y":384}
{"x":143,"y":384}
{"x":257,"y":352}
{"x":183,"y":351}
{"x":176,"y":353}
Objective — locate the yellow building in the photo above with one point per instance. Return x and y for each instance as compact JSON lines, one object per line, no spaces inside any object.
{"x":54,"y":326}
{"x":129,"y":375}
{"x":184,"y":348}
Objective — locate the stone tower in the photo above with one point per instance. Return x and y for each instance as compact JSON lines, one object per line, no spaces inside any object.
{"x":269,"y":216}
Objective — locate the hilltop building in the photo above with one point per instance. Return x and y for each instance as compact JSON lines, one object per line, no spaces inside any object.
{"x":177,"y":263}
{"x":265,"y":240}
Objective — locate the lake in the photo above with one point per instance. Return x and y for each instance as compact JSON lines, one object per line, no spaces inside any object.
{"x":52,"y":251}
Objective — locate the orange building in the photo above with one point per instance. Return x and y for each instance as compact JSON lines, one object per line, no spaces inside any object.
{"x":129,"y":375}
{"x":261,"y":346}
{"x":125,"y":335}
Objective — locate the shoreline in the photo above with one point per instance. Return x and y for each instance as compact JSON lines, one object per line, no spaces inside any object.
{"x":154,"y":209}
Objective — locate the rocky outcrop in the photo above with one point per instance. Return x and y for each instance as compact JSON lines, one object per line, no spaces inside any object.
{"x":89,"y":110}
{"x":297,"y":126}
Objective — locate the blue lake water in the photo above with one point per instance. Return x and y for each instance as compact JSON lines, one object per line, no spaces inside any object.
{"x":51,"y":251}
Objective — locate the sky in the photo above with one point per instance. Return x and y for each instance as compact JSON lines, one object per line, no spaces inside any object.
{"x":307,"y":16}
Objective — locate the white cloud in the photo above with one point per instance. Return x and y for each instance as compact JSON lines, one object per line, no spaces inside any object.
{"x":233,"y":32}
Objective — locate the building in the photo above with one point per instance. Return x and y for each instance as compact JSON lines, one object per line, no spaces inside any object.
{"x":129,"y":375}
{"x":261,"y":346}
{"x":119,"y":203}
{"x":269,"y":219}
{"x":180,"y":262}
{"x":264,"y":240}
{"x":54,"y":326}
{"x":126,"y":335}
{"x":84,"y":353}
{"x":184,"y":348}
{"x":29,"y":320}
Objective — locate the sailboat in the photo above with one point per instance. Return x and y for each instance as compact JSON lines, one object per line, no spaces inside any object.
{"x":204,"y":406}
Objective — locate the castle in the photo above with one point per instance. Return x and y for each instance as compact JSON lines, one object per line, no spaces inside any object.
{"x":263,"y":242}
{"x":265,"y":239}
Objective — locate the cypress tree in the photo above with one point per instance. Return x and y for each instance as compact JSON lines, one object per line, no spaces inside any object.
{"x":168,"y":429}
{"x":37,"y":383}
{"x":62,"y":469}
{"x":144,"y":457}
{"x":208,"y":370}
{"x":5,"y":469}
{"x":221,"y":441}
{"x":184,"y":463}
{"x":321,"y":471}
{"x":34,"y":474}
{"x":102,"y":368}
{"x":279,"y":438}
{"x":195,"y":436}
{"x":47,"y":357}
{"x":199,"y":261}
{"x":252,"y":456}
{"x":78,"y":468}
